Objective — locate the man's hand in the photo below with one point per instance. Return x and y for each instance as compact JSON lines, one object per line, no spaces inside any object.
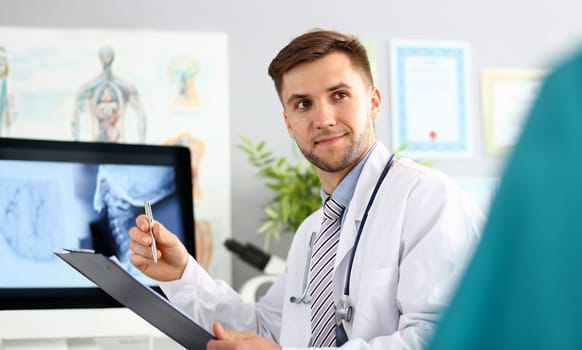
{"x":172,"y":255}
{"x":231,"y":340}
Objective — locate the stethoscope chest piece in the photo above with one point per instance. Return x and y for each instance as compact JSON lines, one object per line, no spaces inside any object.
{"x":343,"y":310}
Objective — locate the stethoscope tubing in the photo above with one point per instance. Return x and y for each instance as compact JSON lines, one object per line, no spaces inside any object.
{"x":364,"y":218}
{"x":305,"y":298}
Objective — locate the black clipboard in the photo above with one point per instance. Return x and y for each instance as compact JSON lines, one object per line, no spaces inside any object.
{"x":139,"y":298}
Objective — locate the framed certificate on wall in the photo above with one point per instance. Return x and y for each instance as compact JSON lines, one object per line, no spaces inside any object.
{"x":430,"y":99}
{"x":507,"y":97}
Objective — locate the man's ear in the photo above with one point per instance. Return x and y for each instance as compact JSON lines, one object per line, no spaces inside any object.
{"x":375,"y":102}
{"x":288,"y":125}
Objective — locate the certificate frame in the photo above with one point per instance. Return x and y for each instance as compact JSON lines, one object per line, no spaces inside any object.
{"x":430,"y":99}
{"x":507,"y":96}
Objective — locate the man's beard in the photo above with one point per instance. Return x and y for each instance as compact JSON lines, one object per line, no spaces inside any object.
{"x":353,"y":152}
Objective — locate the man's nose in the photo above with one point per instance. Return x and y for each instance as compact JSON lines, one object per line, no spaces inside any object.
{"x":324,"y":116}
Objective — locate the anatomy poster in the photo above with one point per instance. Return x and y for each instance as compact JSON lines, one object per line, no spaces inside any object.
{"x":129,"y":86}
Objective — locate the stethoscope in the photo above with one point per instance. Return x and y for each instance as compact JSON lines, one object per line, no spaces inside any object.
{"x":343,"y":309}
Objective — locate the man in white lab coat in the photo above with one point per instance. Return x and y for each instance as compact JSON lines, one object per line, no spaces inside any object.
{"x":419,"y":230}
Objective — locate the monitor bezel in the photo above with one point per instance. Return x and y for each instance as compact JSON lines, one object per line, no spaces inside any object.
{"x":91,"y":152}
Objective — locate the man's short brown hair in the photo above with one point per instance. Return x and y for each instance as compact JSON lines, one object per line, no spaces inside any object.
{"x":314,"y":45}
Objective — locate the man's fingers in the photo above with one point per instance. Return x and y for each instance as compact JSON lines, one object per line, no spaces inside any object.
{"x":224,"y":334}
{"x":141,"y":234}
{"x":218,"y":331}
{"x":141,"y":221}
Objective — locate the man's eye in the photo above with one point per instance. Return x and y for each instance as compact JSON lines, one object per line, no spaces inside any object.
{"x":340,"y":95}
{"x":303,"y":104}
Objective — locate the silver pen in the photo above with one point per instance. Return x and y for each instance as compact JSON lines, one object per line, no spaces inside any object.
{"x":150,"y":217}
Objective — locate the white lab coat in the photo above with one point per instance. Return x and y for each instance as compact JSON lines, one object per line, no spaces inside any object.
{"x":416,"y":241}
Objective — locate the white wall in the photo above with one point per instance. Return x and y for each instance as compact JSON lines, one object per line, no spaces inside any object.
{"x":503,"y":34}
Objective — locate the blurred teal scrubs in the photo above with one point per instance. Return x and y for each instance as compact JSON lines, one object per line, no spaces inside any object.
{"x":523,"y":288}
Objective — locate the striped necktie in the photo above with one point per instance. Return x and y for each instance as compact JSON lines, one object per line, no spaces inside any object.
{"x":321,"y":270}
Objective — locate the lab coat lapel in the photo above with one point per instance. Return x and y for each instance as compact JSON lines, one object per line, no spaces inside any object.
{"x":364,"y":188}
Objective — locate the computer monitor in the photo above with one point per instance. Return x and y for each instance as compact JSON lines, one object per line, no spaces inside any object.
{"x":57,"y":195}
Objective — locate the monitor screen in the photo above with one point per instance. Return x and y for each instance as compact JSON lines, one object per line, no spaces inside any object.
{"x":57,"y":195}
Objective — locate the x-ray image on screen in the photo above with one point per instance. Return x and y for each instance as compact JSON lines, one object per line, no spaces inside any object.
{"x":29,"y":225}
{"x":50,"y":206}
{"x":120,"y":195}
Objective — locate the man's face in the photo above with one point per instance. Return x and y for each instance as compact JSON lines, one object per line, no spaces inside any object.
{"x":329,"y":110}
